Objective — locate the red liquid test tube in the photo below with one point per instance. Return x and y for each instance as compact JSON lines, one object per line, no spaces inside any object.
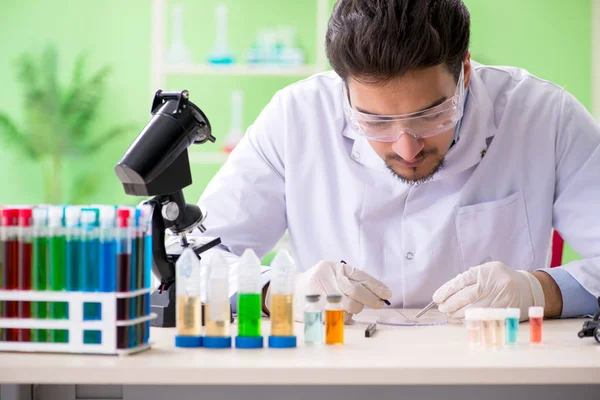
{"x":10,"y":267}
{"x":25,"y":272}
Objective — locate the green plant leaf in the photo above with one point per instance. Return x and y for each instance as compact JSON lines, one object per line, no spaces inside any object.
{"x":83,"y":187}
{"x":15,"y":137}
{"x":106,"y":138}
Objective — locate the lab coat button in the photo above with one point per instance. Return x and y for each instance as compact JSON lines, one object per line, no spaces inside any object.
{"x":409,"y":256}
{"x":356,"y":155}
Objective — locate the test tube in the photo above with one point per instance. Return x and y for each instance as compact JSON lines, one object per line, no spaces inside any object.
{"x":137,"y":244}
{"x":283,"y":271}
{"x":217,"y":317}
{"x":189,"y":305}
{"x":249,"y":302}
{"x":488,"y":331}
{"x":313,"y":320}
{"x":89,"y":275}
{"x":473,"y":317}
{"x":147,"y":210}
{"x":40,"y":269}
{"x":25,"y":255}
{"x":499,"y":315}
{"x":123,"y":271}
{"x":334,"y":320}
{"x":73,"y":248}
{"x":536,"y":316}
{"x":56,"y":247}
{"x":10,"y":264}
{"x":108,"y":252}
{"x":512,"y":325}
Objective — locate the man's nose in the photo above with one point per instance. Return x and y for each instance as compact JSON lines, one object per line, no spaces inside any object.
{"x":407,"y":146}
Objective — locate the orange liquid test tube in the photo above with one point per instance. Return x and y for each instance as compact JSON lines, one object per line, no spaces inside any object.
{"x":536,"y":316}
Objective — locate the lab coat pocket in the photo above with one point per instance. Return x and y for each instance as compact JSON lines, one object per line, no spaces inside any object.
{"x":495,"y":231}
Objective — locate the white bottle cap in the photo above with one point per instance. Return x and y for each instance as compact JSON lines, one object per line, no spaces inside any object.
{"x":513,"y":313}
{"x":283,"y":262}
{"x":72,"y":216}
{"x":487,"y":314}
{"x":474,"y":314}
{"x":499,"y":313}
{"x":536,"y":312}
{"x":55,"y":214}
{"x":108,"y":215}
{"x":40,"y":216}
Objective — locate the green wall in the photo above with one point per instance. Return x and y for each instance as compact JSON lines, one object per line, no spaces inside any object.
{"x":550,"y":38}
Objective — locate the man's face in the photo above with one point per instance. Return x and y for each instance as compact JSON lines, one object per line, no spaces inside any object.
{"x":413,"y":160}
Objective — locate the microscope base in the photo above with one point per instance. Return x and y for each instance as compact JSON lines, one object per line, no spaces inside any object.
{"x":163,"y":305}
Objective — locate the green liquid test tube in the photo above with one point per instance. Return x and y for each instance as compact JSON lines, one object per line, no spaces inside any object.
{"x":57,"y":243}
{"x":249,"y":302}
{"x":512,"y":325}
{"x":40,"y":266}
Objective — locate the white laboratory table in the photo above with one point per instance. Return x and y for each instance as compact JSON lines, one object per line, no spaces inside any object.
{"x":421,"y":361}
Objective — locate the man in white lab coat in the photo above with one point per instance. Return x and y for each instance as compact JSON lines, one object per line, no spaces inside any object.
{"x":432,"y":176}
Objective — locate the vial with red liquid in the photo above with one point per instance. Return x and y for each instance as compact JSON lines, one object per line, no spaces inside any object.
{"x":536,"y":316}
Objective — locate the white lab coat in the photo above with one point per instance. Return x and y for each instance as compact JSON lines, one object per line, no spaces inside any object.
{"x":528,"y":160}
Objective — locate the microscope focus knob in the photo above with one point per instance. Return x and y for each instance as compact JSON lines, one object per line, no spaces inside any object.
{"x":170,"y":211}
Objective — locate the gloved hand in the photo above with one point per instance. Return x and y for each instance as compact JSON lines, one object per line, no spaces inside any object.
{"x":358,"y":289}
{"x":489,"y":285}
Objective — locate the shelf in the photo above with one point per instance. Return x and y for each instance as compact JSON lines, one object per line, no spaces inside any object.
{"x":240,"y":70}
{"x":207,"y":157}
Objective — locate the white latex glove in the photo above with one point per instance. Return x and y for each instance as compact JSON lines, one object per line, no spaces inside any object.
{"x":358,"y":289}
{"x":489,"y":285}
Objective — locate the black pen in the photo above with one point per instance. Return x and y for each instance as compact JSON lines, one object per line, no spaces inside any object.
{"x":370,"y":331}
{"x":387,"y":303}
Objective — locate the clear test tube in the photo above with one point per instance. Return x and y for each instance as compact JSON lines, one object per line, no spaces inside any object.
{"x":536,"y":316}
{"x":108,"y":250}
{"x":499,"y":315}
{"x":189,"y":306}
{"x":217,"y":317}
{"x":10,"y":267}
{"x":25,"y":267}
{"x":249,"y":302}
{"x":488,"y":331}
{"x":283,"y":270}
{"x":473,"y":322}
{"x":513,"y":315}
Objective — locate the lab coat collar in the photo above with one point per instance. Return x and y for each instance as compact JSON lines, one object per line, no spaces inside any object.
{"x":477,"y":130}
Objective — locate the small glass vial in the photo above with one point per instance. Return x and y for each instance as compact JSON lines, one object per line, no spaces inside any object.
{"x":217,"y":318}
{"x":283,"y":271}
{"x":334,"y":320}
{"x":513,"y":315}
{"x":473,"y":324}
{"x":536,"y":316}
{"x":499,"y":315}
{"x":488,"y":331}
{"x":313,"y":320}
{"x":249,"y":302}
{"x":189,"y":306}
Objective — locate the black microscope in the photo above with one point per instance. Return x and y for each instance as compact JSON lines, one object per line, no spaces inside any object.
{"x":157,"y":164}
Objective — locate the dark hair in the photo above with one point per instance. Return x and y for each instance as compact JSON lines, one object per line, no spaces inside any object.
{"x":377,"y":40}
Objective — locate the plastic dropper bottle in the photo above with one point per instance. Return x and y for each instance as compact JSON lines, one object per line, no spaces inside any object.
{"x":282,"y":301}
{"x":189,"y":305}
{"x":249,"y":302}
{"x":217,"y":308}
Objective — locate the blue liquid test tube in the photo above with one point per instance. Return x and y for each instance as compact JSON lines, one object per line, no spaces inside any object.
{"x":147,"y":217}
{"x":513,"y":315}
{"x":89,"y":266}
{"x":108,"y":250}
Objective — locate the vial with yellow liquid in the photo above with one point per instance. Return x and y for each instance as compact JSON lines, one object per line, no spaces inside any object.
{"x":334,"y":320}
{"x":189,"y":306}
{"x":283,"y":271}
{"x":217,"y":309}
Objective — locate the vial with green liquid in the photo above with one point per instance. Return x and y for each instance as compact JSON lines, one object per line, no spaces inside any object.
{"x":249,"y":302}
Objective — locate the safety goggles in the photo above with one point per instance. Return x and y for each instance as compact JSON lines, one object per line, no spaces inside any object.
{"x":421,"y":124}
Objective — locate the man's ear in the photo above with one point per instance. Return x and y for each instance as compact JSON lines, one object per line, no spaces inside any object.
{"x":467,"y":64}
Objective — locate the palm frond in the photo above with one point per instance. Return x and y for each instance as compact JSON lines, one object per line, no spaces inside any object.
{"x":14,"y":136}
{"x":106,"y":138}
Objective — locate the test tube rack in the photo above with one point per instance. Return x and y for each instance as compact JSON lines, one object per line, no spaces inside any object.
{"x":75,"y":324}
